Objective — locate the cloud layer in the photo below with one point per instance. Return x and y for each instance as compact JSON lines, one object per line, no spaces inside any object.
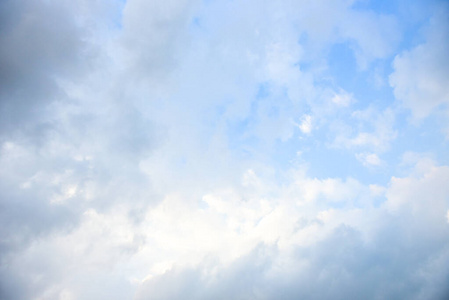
{"x":223,"y":150}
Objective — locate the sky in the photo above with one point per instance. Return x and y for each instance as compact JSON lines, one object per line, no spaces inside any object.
{"x":224,"y":149}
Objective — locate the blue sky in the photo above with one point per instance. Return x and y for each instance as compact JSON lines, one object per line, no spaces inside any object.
{"x":216,"y":149}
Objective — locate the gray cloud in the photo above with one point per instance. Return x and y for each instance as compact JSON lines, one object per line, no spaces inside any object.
{"x":342,"y":266}
{"x":59,"y":152}
{"x":39,"y":43}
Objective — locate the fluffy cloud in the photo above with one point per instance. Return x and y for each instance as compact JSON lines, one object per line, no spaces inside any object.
{"x":347,"y":255}
{"x":419,"y":76}
{"x":148,"y":150}
{"x":245,"y":244}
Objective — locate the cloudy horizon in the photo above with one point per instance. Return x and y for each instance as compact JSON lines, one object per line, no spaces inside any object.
{"x":224,"y":149}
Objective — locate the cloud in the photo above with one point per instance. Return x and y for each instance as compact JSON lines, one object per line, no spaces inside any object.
{"x":374,"y":131}
{"x":151,"y":37}
{"x":258,"y":247}
{"x":348,"y":260}
{"x":33,"y":52}
{"x":306,"y":124}
{"x":63,"y":147}
{"x":150,"y":149}
{"x":369,"y":159}
{"x":41,"y":44}
{"x":419,"y":77}
{"x":342,"y":99}
{"x":372,"y":35}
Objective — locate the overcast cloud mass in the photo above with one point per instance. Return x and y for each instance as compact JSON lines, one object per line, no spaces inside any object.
{"x":224,"y":149}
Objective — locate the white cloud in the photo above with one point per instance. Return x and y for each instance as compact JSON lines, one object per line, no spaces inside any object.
{"x":424,"y":193}
{"x":145,"y":151}
{"x":342,"y":99}
{"x":374,"y":130}
{"x":369,"y":159}
{"x":345,"y":246}
{"x":306,"y":124}
{"x":420,"y":74}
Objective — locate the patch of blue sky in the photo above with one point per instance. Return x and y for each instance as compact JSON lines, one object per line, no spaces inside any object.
{"x":368,"y":87}
{"x":117,"y":17}
{"x":240,"y":136}
{"x":326,"y":161}
{"x":379,"y":6}
{"x":196,"y":26}
{"x":414,"y":10}
{"x":413,"y":18}
{"x":245,"y":136}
